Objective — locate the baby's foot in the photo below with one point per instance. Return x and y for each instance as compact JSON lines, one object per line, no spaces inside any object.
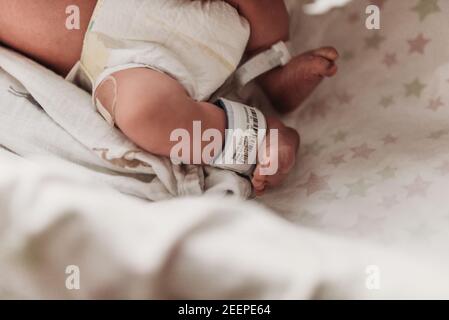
{"x":288,"y":144}
{"x":288,"y":86}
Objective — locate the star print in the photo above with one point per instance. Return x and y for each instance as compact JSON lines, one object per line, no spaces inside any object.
{"x":347,"y":55}
{"x":388,"y":173}
{"x":374,"y":41}
{"x":436,"y":135}
{"x":389,"y":202}
{"x":309,"y":218}
{"x":419,"y":187}
{"x":340,"y":136}
{"x":444,"y":168}
{"x":316,"y":184}
{"x":389,"y":139}
{"x":390,"y":60}
{"x":387,"y":101}
{"x":337,"y":160}
{"x":344,"y":98}
{"x":435,"y":104}
{"x":320,"y":109}
{"x":362,"y":151}
{"x":414,"y":88}
{"x":379,"y":3}
{"x":359,"y":188}
{"x":330,"y":196}
{"x":426,"y":7}
{"x":418,"y":44}
{"x":314,"y":148}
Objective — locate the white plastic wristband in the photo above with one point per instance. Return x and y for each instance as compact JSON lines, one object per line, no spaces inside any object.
{"x":278,"y":55}
{"x":245,"y":134}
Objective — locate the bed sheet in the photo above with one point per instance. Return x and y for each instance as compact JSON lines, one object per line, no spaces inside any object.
{"x":374,"y":163}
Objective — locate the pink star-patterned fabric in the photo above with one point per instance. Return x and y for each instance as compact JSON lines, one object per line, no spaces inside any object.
{"x":374,"y":162}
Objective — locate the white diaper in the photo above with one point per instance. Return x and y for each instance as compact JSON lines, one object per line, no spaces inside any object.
{"x":199,"y":43}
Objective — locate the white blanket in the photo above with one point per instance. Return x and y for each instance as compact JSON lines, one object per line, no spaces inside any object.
{"x":215,"y":248}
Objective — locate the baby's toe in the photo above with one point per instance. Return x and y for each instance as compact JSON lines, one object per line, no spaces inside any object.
{"x":259,"y":184}
{"x":258,"y":180}
{"x":321,"y":67}
{"x":328,"y":53}
{"x":331,"y":71}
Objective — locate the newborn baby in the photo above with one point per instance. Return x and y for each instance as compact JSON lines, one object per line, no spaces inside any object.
{"x":152,"y":66}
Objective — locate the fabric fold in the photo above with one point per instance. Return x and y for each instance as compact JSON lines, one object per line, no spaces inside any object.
{"x":55,"y":118}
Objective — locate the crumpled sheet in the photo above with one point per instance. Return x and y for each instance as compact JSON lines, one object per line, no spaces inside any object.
{"x":47,"y":116}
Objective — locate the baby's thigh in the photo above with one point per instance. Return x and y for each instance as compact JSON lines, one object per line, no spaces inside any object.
{"x":132,"y":91}
{"x":140,"y":98}
{"x":38,"y":29}
{"x":269,"y":21}
{"x":148,"y":105}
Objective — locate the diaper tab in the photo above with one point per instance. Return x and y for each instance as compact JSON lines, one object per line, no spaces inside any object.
{"x":278,"y":55}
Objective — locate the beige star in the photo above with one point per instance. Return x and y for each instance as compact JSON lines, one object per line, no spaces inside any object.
{"x":358,"y":188}
{"x":347,"y":55}
{"x":388,"y":173}
{"x":307,"y":217}
{"x":436,"y":135}
{"x":314,"y":148}
{"x":387,"y":101}
{"x":316,"y":184}
{"x":330,"y":196}
{"x":374,"y":41}
{"x":362,"y":151}
{"x":425,"y":8}
{"x":414,"y":88}
{"x":419,"y":187}
{"x":340,"y":136}
{"x":418,"y":44}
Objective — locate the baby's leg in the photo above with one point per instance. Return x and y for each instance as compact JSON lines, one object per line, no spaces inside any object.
{"x":150,"y":105}
{"x":287,"y":86}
